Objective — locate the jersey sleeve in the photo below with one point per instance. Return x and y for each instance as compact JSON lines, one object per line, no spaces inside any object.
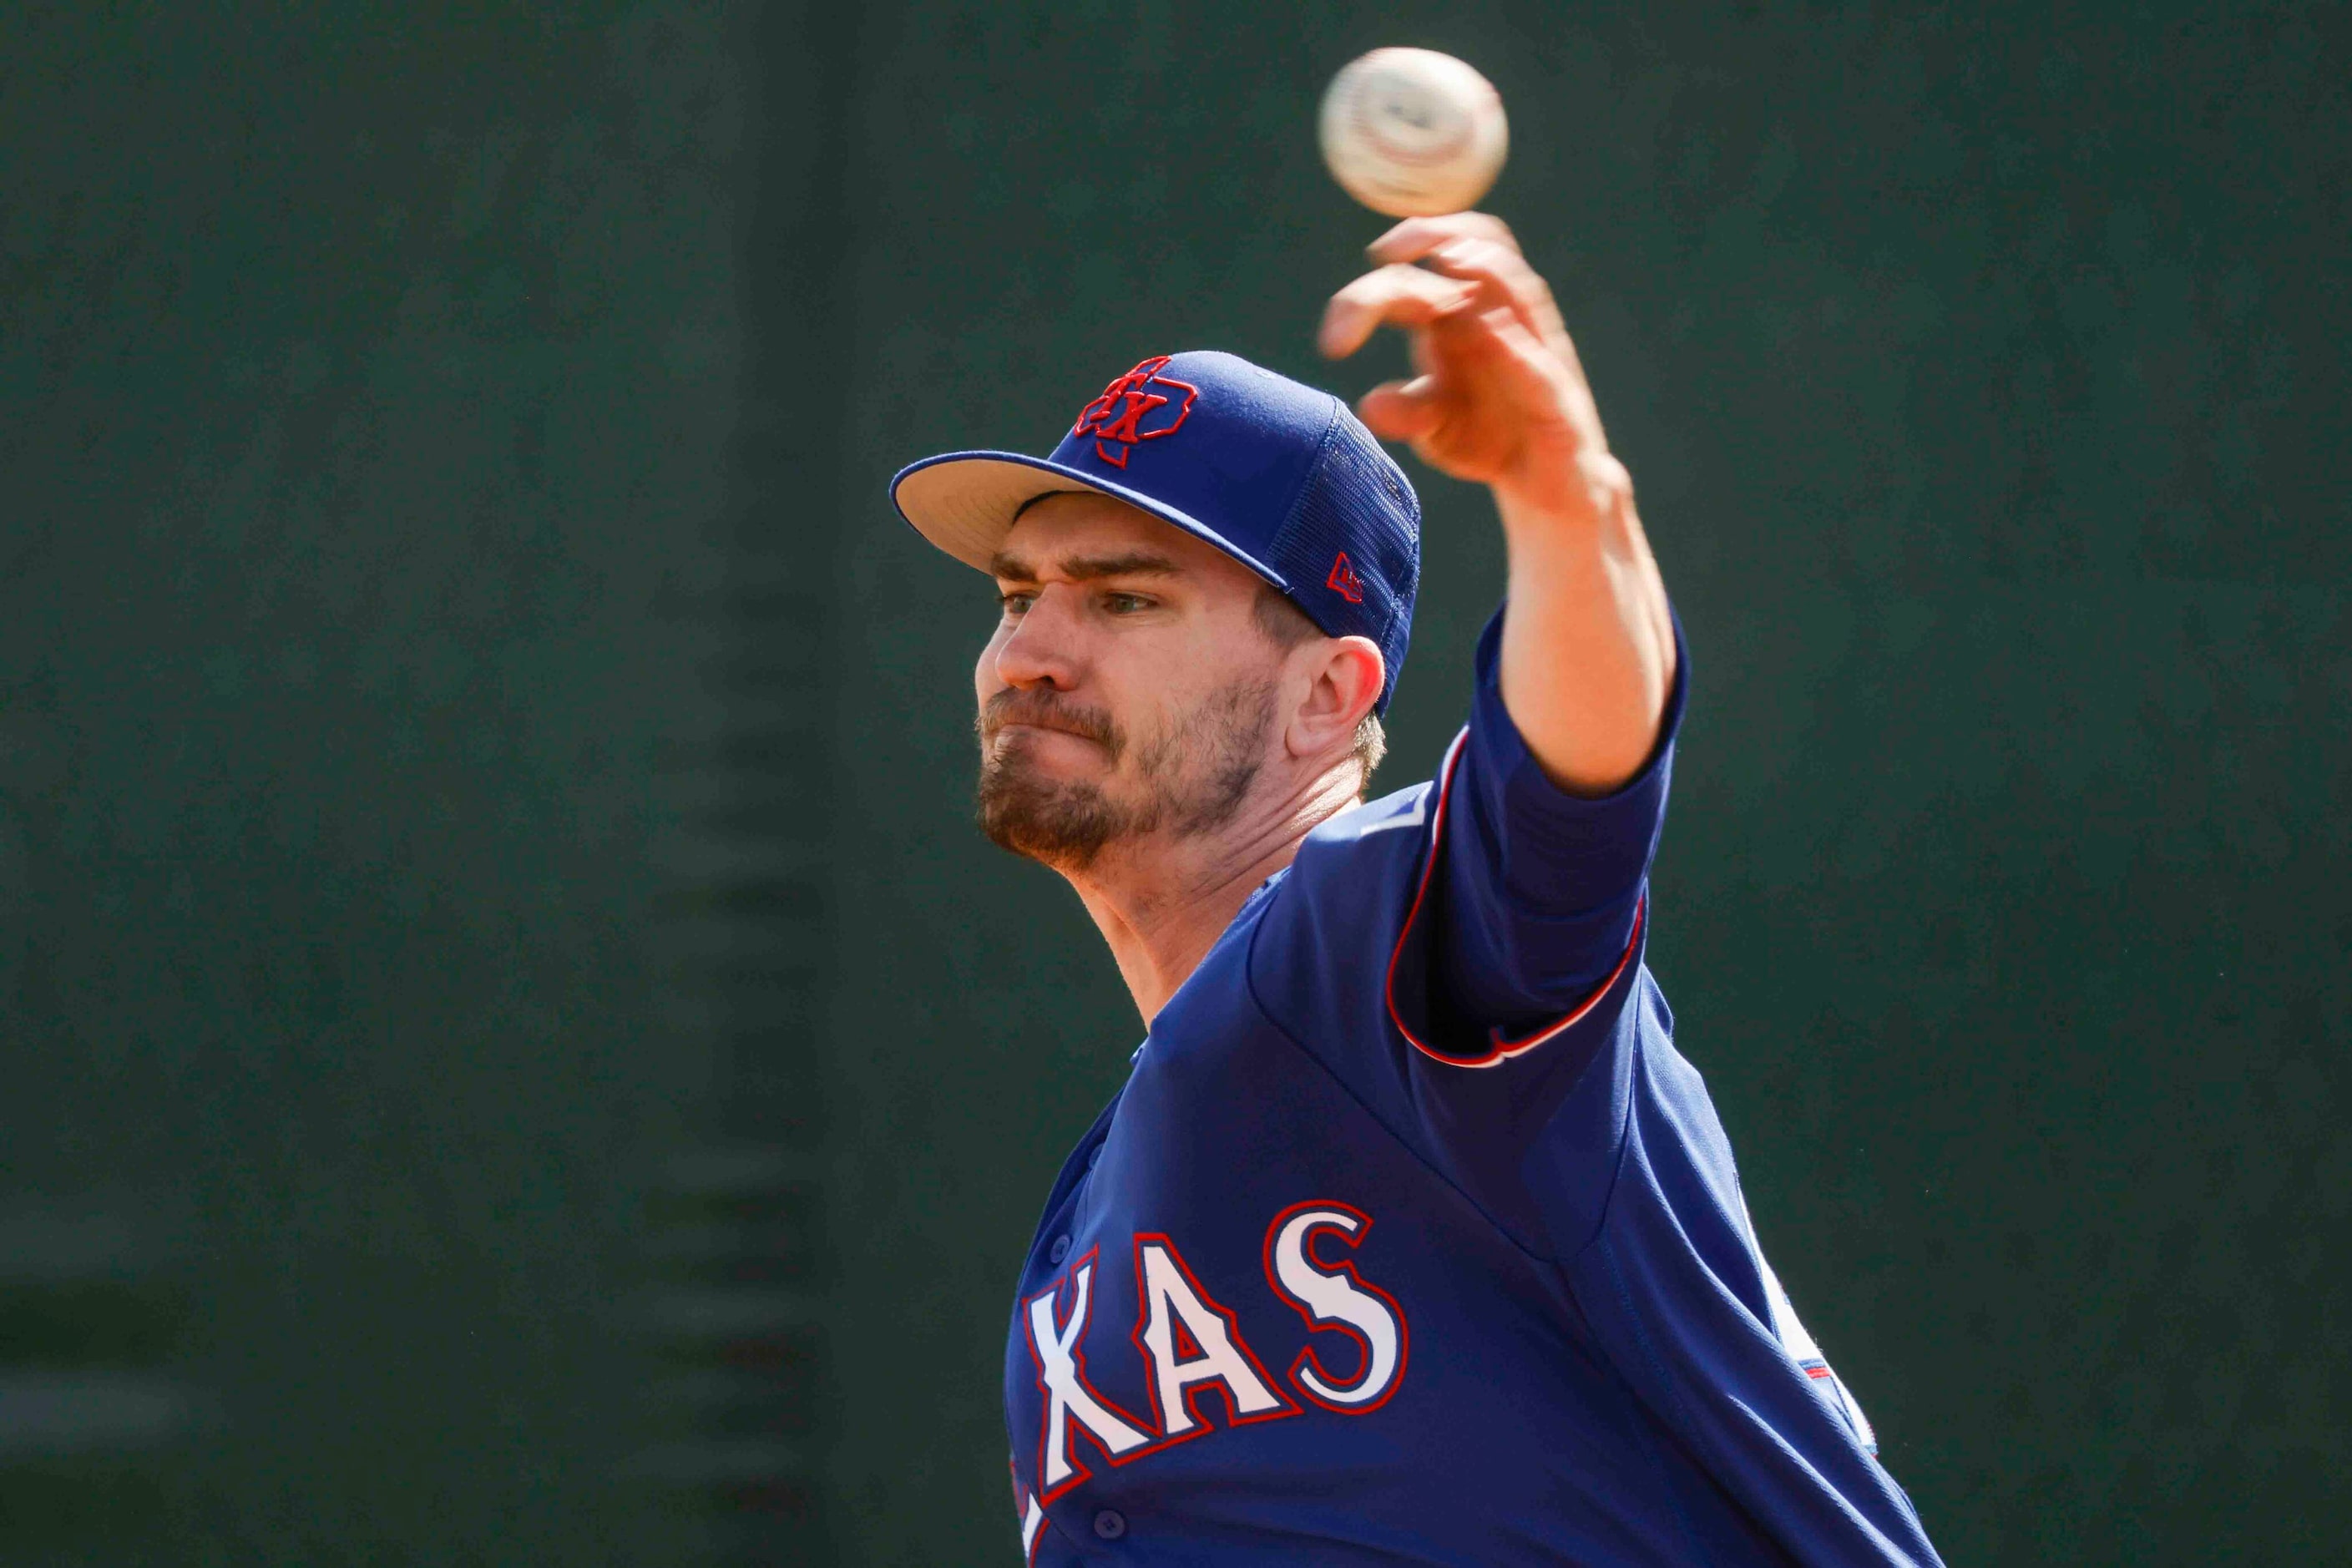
{"x":1673,"y":1289}
{"x":1465,"y":956}
{"x":1532,"y":899}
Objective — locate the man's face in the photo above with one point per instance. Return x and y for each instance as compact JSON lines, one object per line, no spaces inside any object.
{"x":1129,"y":688}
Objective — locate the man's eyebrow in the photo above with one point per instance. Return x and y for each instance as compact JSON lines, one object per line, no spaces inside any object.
{"x":1087,"y":568}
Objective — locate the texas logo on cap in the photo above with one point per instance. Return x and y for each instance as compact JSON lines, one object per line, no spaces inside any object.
{"x":1118,"y":414}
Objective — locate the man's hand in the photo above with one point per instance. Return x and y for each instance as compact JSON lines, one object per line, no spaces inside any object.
{"x":1498,"y":397}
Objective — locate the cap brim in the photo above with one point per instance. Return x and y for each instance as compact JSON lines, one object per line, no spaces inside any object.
{"x":964,"y":502}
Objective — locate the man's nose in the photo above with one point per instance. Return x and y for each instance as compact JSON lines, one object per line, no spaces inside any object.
{"x":1040,"y":649}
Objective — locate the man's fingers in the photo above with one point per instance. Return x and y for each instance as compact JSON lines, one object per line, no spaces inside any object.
{"x":1417,"y":236}
{"x":1402,"y":410}
{"x":1496,"y":348}
{"x":1506,"y":274}
{"x":1479,"y":247}
{"x":1533,"y":374}
{"x":1402,"y":296}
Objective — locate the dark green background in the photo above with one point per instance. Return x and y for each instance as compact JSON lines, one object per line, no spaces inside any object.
{"x":484,"y":871}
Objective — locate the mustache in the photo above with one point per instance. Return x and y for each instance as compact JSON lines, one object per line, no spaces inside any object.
{"x":1046,"y":711}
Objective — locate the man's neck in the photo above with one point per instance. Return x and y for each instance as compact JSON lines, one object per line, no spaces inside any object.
{"x":1162,"y":902}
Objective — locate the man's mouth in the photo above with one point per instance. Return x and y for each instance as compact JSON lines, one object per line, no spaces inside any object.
{"x":1011,"y":728}
{"x":1011,"y":722}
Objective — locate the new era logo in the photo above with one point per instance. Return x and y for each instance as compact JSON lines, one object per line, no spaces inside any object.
{"x":1343,"y":579}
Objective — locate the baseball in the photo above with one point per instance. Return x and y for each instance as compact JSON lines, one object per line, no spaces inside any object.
{"x":1412,"y":133}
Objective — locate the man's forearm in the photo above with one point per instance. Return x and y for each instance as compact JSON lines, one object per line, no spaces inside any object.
{"x":1588,"y":654}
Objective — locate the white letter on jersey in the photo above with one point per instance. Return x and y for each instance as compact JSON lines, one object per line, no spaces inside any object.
{"x":1033,"y":1524}
{"x":1061,"y":1368}
{"x":1334,"y":1298}
{"x":1799,"y":1344}
{"x":1172,"y":1304}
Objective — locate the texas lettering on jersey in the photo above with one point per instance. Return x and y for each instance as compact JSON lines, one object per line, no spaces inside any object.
{"x":1190,"y":1344}
{"x":1445,"y":1015}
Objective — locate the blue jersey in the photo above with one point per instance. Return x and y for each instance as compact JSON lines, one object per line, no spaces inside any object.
{"x":1412,"y":1239}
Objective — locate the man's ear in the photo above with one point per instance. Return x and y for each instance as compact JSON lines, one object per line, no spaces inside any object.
{"x":1344,"y":677}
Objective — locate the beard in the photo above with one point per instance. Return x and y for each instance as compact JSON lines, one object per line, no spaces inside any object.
{"x":1191,"y":778}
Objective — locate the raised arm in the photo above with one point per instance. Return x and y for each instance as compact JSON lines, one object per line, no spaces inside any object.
{"x":1498,"y":396}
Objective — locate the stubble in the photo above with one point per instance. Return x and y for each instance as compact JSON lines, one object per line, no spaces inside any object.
{"x":1190,"y":779}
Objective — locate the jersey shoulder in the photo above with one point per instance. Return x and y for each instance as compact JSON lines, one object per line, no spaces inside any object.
{"x":1407,"y":808}
{"x":1332,"y":917}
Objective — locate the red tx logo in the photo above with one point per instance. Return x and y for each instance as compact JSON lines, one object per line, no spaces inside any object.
{"x":1118,"y":414}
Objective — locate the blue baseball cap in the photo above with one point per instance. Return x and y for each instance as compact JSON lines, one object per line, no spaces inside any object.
{"x":1280,"y":476}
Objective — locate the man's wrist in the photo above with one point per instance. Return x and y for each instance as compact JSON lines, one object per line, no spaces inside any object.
{"x":1570,"y":494}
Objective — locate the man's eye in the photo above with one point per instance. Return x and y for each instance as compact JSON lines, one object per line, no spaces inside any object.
{"x":1016,"y":604}
{"x":1125,"y":603}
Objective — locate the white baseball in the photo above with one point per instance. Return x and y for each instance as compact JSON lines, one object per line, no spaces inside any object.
{"x":1412,"y":133}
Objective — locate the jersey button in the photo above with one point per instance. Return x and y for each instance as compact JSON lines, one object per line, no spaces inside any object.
{"x":1059,"y":1250}
{"x":1110,"y":1524}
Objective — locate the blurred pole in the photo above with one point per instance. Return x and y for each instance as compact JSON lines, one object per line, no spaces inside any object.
{"x":739,"y":1289}
{"x":93,"y":1305}
{"x":92,"y":1309}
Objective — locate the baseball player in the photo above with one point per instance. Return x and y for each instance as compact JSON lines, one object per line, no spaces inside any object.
{"x":1410,"y":1237}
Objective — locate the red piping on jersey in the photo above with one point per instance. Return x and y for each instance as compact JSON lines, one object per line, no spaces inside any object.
{"x":1503,"y":1050}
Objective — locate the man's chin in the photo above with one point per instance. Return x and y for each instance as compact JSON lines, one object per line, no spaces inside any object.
{"x":1065,"y":824}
